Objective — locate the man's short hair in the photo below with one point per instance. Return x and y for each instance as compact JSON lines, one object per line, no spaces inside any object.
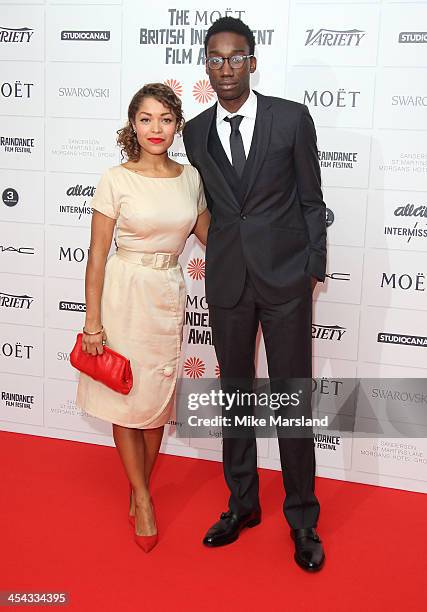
{"x":231,"y":24}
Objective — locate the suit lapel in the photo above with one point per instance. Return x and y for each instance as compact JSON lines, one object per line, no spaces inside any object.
{"x":259,"y":145}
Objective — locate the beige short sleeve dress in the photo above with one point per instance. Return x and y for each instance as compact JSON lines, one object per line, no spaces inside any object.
{"x":143,"y":307}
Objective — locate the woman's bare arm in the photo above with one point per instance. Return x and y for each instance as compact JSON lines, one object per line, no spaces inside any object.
{"x":202,"y":226}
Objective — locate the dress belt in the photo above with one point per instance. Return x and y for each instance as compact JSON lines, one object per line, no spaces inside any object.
{"x":158,"y":261}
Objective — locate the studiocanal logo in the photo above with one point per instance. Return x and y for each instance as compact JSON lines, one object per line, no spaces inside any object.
{"x":16,"y":89}
{"x":412,"y":37}
{"x":21,"y":302}
{"x":337,"y":159}
{"x":72,"y":306}
{"x":86,"y":35}
{"x":333,"y":333}
{"x":334,"y":38}
{"x":15,"y":35}
{"x":418,"y":212}
{"x":17,"y":400}
{"x":16,"y":144}
{"x":10,"y":197}
{"x":404,"y":339}
{"x":328,"y":98}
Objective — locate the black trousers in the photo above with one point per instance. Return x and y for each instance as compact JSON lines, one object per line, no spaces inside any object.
{"x":287,"y":336}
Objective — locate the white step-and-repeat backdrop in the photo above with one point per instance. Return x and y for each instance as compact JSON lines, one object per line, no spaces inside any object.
{"x":67,"y":73}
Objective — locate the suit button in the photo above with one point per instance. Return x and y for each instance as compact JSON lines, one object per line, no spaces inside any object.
{"x":243,"y":217}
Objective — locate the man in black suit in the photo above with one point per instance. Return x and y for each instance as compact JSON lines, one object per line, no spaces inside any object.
{"x":266,"y":249}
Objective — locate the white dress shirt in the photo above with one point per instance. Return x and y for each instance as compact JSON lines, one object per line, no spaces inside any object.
{"x":248,"y":110}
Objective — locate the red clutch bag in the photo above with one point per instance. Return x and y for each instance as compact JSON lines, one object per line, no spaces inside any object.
{"x":110,"y":368}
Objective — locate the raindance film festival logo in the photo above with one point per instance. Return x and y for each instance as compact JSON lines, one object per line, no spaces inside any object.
{"x":334,"y":38}
{"x":86,"y":35}
{"x":196,"y":268}
{"x":22,"y":302}
{"x":409,"y":211}
{"x":15,"y":35}
{"x":413,"y":37}
{"x":194,"y":367}
{"x":328,"y":332}
{"x":337,"y":159}
{"x":175,"y":85}
{"x":16,"y":145}
{"x":78,"y":191}
{"x":17,"y":400}
{"x":203,"y":92}
{"x":10,"y":197}
{"x":404,"y":339}
{"x":327,"y":442}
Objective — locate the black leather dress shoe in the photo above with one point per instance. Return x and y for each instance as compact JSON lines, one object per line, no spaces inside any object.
{"x":228,"y":528}
{"x":308,"y":549}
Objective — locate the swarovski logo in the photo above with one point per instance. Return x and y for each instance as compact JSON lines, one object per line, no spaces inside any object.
{"x":334,"y":38}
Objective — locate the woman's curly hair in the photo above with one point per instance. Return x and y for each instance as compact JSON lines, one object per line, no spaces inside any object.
{"x":126,"y":137}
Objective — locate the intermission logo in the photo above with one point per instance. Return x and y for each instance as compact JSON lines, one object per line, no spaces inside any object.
{"x":19,"y":250}
{"x":404,"y":339}
{"x":17,"y":400}
{"x":337,"y":159}
{"x":197,"y":319}
{"x":17,"y":145}
{"x":72,"y":306}
{"x":413,"y":37}
{"x":194,"y":367}
{"x":21,"y":302}
{"x":175,"y":85}
{"x":405,"y":282}
{"x":327,"y":98}
{"x":82,"y":209}
{"x":10,"y":197}
{"x":334,"y":38}
{"x":333,"y":333}
{"x":15,"y":35}
{"x":84,"y":92}
{"x":409,"y":211}
{"x":16,"y":89}
{"x":85,"y":35}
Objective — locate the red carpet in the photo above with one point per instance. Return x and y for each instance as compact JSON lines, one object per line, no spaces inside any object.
{"x":64,"y":528}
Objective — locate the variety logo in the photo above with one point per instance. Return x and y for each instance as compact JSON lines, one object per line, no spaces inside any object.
{"x":340,"y":276}
{"x":20,"y":250}
{"x":16,"y":89}
{"x":328,"y":332}
{"x":83,"y":92}
{"x":8,"y":300}
{"x":85,"y":35}
{"x":16,"y":350}
{"x":17,"y":145}
{"x":175,"y":85}
{"x":196,"y":268}
{"x":330,"y":217}
{"x":334,"y":38}
{"x":72,"y":306}
{"x":203,"y":92}
{"x":404,"y":281}
{"x":194,"y":367}
{"x":337,"y":159}
{"x":17,"y":400}
{"x":10,"y":197}
{"x":405,"y":339}
{"x":413,"y":37}
{"x":414,"y":101}
{"x":15,"y":35}
{"x":340,"y":98}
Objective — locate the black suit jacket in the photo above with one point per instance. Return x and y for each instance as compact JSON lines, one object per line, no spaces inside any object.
{"x":271,"y":222}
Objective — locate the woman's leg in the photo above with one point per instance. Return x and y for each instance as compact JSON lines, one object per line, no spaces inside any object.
{"x":152,"y":442}
{"x":130,"y":445}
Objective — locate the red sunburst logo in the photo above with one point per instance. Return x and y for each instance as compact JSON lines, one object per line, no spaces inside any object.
{"x":203,"y":92}
{"x":196,"y":268}
{"x":175,"y":85}
{"x":217,"y":371}
{"x":194,"y":367}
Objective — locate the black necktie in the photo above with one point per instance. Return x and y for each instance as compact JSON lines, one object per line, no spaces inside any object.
{"x":236,"y":144}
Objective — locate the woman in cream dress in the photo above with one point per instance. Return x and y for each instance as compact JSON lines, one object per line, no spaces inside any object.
{"x":135,"y":301}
